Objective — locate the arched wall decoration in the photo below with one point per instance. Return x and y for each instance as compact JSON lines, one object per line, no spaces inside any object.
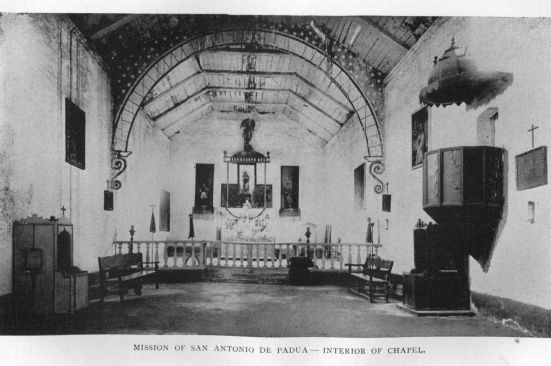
{"x":267,"y":38}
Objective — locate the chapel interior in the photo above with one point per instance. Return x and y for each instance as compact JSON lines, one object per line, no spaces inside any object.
{"x":351,"y":163}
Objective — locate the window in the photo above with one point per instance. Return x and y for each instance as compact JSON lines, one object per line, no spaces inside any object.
{"x":486,"y":127}
{"x":359,"y":188}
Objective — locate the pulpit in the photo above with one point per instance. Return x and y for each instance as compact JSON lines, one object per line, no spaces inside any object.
{"x":463,"y":193}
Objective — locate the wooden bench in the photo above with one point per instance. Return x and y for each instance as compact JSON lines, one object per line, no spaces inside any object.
{"x":119,"y":273}
{"x":375,"y":273}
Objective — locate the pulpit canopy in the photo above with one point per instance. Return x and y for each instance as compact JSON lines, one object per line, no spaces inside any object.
{"x":455,"y":79}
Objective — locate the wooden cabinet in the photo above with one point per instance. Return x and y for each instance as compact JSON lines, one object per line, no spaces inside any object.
{"x":44,"y":278}
{"x":439,"y":283}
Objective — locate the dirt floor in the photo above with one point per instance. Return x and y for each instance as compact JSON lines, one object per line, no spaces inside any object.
{"x":236,"y":309}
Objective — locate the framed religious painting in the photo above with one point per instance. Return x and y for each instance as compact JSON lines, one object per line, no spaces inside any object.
{"x":204,"y":184}
{"x":108,"y":200}
{"x":532,"y":168}
{"x":258,"y":196}
{"x":164,"y":211}
{"x":419,"y":136}
{"x":230,"y":198}
{"x":289,"y":191}
{"x":75,"y":135}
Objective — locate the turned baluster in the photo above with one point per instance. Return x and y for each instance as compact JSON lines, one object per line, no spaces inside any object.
{"x":340,"y":255}
{"x":324,"y":257}
{"x":288,"y":254}
{"x":226,"y":252}
{"x":234,"y":251}
{"x":165,"y":255}
{"x":257,"y":256}
{"x":359,"y":259}
{"x":176,"y":255}
{"x":193,"y":256}
{"x":156,"y":256}
{"x":332,"y":257}
{"x":203,"y":253}
{"x":147,"y":257}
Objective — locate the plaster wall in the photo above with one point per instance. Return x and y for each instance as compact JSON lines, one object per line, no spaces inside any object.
{"x":204,"y":141}
{"x":149,"y":172}
{"x":37,"y":73}
{"x":520,"y":266}
{"x":345,"y":152}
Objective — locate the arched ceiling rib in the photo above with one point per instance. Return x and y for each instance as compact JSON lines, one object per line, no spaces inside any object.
{"x":235,"y":81}
{"x":320,"y":71}
{"x":178,"y":87}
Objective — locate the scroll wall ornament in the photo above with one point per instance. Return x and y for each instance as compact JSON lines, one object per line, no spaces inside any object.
{"x":119,"y":165}
{"x":377,"y":167}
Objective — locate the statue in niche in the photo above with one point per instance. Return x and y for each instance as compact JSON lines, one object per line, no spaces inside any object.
{"x":245,"y":182}
{"x":288,"y":195}
{"x":204,"y":194}
{"x":247,"y":125}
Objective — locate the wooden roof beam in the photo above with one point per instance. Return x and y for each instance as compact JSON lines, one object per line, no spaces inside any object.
{"x":113,"y":27}
{"x":366,"y":21}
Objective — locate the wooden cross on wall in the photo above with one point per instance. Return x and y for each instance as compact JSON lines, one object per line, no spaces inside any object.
{"x":532,"y":129}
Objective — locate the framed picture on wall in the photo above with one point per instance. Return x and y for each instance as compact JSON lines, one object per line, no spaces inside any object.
{"x":419,"y":136}
{"x":289,"y":191}
{"x":75,"y":135}
{"x":204,"y":184}
{"x":532,"y":168}
{"x":164,"y":211}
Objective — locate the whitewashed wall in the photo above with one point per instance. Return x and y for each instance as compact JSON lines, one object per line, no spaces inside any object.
{"x":521,"y":264}
{"x":204,"y":142}
{"x":34,"y":177}
{"x":148,"y":173}
{"x":345,"y":152}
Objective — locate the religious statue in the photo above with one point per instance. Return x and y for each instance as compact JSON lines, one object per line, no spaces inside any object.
{"x":288,"y":195}
{"x":245,"y":182}
{"x":248,"y":127}
{"x":204,"y":194}
{"x":307,"y":234}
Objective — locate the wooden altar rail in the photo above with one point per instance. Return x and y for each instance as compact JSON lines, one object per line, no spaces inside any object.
{"x":180,"y":254}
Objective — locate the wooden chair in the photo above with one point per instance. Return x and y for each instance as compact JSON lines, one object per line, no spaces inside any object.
{"x":372,"y":278}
